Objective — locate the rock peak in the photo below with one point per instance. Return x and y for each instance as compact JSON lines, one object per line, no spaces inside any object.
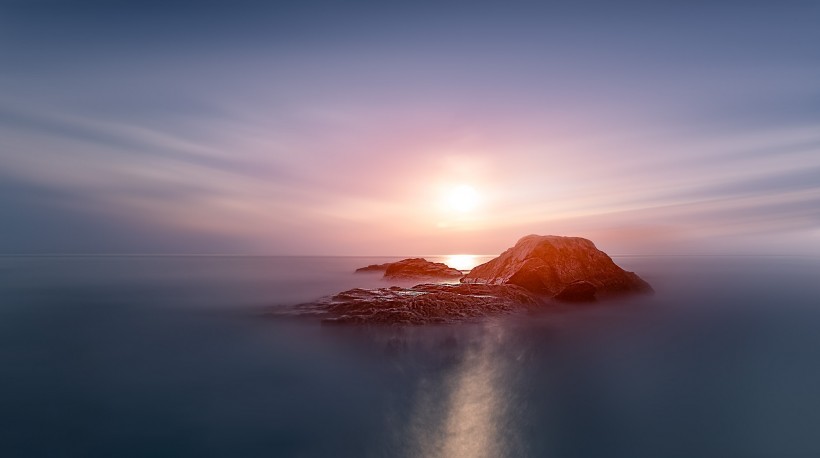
{"x":552,"y":239}
{"x":547,"y":264}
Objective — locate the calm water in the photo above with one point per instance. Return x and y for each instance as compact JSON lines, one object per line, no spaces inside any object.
{"x":171,"y":356}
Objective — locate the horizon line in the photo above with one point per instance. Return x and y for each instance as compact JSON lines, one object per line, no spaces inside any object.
{"x":245,"y":255}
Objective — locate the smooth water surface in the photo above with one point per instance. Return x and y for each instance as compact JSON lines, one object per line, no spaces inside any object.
{"x":174,"y":356}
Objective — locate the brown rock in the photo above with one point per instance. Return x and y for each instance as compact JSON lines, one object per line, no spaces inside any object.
{"x":566,"y":268}
{"x":414,"y":268}
{"x":421,"y":304}
{"x":420,"y":268}
{"x":579,"y":291}
{"x":548,"y":264}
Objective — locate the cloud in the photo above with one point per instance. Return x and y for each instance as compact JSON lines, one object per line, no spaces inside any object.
{"x":309,"y":139}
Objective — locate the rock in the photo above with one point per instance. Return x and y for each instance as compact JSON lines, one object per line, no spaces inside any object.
{"x":421,"y":268}
{"x":374,"y":268}
{"x":579,"y":291}
{"x":569,"y":269}
{"x":414,"y":268}
{"x":549,"y":264}
{"x":421,"y":304}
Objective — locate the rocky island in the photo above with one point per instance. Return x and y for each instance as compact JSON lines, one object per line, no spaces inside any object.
{"x":538,"y":271}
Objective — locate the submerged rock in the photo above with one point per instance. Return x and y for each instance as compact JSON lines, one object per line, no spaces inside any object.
{"x":549,"y":264}
{"x":414,"y":268}
{"x":421,"y":304}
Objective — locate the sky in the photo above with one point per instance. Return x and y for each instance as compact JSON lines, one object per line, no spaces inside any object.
{"x":345,"y":128}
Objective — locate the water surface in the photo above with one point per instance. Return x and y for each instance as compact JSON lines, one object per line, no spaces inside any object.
{"x":172,"y":356}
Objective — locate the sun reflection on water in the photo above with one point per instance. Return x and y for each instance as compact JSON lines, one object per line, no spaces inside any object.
{"x":463,"y":262}
{"x":470,"y":427}
{"x":463,"y":414}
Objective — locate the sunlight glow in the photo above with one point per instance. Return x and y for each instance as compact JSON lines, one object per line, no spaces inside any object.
{"x":462,"y":198}
{"x":463,"y":262}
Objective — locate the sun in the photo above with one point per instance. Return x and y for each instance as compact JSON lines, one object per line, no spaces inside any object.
{"x":462,"y":198}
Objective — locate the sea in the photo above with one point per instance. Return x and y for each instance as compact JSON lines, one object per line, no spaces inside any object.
{"x":186,"y":356}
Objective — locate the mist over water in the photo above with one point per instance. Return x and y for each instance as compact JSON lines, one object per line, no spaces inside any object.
{"x":147,"y":356}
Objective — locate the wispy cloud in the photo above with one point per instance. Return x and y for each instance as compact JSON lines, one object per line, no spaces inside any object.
{"x":687,"y":129}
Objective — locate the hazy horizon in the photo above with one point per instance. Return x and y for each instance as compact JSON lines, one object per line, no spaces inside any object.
{"x":315,"y":128}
